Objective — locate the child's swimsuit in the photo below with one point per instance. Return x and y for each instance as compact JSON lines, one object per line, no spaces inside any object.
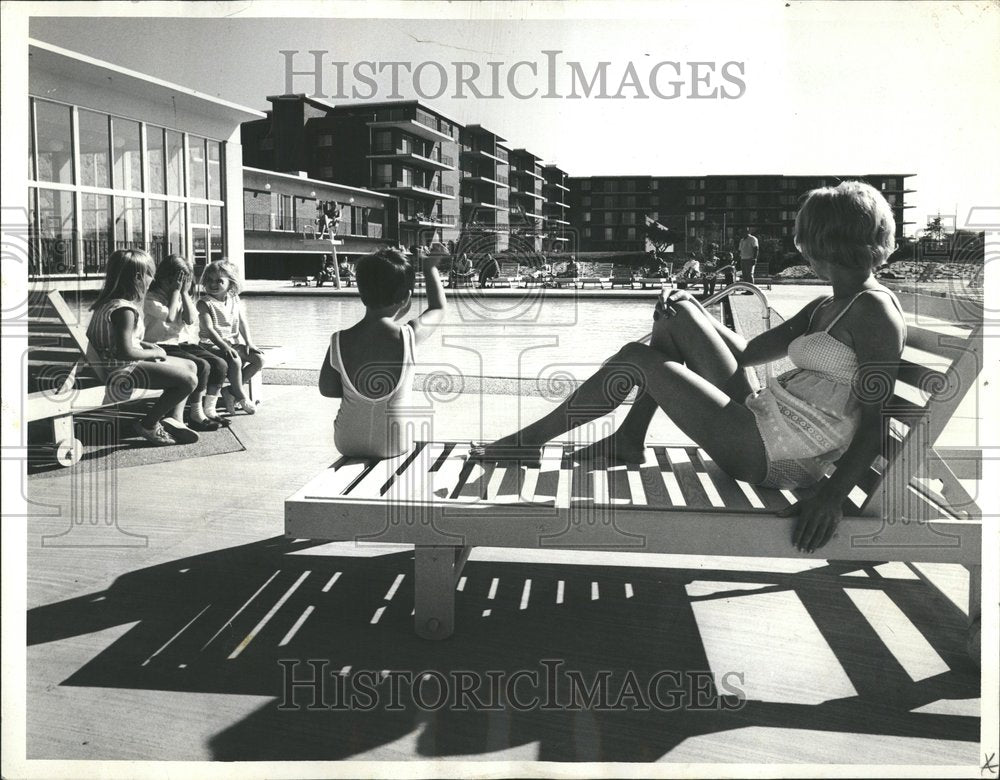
{"x":374,"y":427}
{"x":808,"y":416}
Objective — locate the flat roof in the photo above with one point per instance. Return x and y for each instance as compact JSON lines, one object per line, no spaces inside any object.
{"x":320,"y":182}
{"x":80,"y":67}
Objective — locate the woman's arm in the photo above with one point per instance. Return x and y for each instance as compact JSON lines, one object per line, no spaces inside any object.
{"x":124,"y":321}
{"x":431,"y":316}
{"x":877,"y":333}
{"x":773,"y":344}
{"x":330,"y":385}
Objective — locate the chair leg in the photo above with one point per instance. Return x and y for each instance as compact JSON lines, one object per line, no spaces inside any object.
{"x":973,"y":642}
{"x":67,"y":448}
{"x":434,"y":592}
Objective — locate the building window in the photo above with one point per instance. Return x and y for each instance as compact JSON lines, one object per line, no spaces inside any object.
{"x":631,"y":234}
{"x":197,"y":174}
{"x":96,"y":231}
{"x":326,"y":172}
{"x":326,"y":139}
{"x":95,"y":150}
{"x":53,"y":142}
{"x":127,"y":155}
{"x":175,"y":162}
{"x":586,"y":216}
{"x":214,"y":170}
{"x":585,"y":201}
{"x":609,"y":234}
{"x":54,"y":218}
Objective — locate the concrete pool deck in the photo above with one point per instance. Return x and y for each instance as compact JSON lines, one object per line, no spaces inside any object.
{"x":166,"y":644}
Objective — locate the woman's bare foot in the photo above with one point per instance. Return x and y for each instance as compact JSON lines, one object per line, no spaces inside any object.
{"x":613,"y":450}
{"x":507,"y":448}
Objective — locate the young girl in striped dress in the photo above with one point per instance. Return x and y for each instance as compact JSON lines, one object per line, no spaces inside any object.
{"x":116,"y":333}
{"x":224,"y":331}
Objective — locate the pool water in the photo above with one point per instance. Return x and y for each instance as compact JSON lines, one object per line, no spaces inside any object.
{"x":533,"y":337}
{"x":530,"y":337}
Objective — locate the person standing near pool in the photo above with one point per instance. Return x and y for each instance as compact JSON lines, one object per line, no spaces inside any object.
{"x":828,"y":410}
{"x":749,"y":251}
{"x":370,"y":365}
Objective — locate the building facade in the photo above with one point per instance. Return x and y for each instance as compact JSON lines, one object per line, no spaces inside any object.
{"x":527,"y":217}
{"x":609,"y":211}
{"x":117,"y":159}
{"x":559,"y":234}
{"x":283,"y":228}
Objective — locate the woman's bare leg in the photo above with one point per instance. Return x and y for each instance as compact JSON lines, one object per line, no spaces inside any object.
{"x":687,"y":338}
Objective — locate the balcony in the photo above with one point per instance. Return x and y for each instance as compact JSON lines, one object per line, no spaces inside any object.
{"x":519,"y":193}
{"x":556,"y":185}
{"x":418,"y":219}
{"x":467,"y":201}
{"x":412,"y":126}
{"x":412,"y":188}
{"x":479,"y":154}
{"x":439,"y":162}
{"x":559,"y":203}
{"x":475,"y":177}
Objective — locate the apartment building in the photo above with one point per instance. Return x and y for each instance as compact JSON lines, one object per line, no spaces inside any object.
{"x":527,"y":217}
{"x":559,"y":236}
{"x":610,"y":211}
{"x":401,"y":149}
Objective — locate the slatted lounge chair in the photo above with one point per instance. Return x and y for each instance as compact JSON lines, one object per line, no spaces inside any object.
{"x":65,"y":376}
{"x":911,"y":506}
{"x":302,"y":281}
{"x":601,"y":274}
{"x":622,"y":275}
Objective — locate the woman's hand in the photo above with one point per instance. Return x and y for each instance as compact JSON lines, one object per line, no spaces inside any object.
{"x":666,"y":305}
{"x":254,"y":349}
{"x":818,"y":520}
{"x":157,"y":353}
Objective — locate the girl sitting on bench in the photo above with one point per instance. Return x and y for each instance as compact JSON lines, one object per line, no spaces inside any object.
{"x":116,"y":331}
{"x":828,"y":409}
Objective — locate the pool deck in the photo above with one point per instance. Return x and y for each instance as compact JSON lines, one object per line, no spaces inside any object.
{"x":162,"y":639}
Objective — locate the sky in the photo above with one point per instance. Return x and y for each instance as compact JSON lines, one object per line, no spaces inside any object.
{"x":829,"y":88}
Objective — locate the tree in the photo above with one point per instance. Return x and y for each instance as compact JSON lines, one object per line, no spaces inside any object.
{"x":662,"y":238}
{"x":935,"y":229}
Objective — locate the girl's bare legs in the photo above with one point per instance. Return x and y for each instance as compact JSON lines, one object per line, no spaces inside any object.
{"x":669,"y":338}
{"x":689,"y":393}
{"x":177,"y":379}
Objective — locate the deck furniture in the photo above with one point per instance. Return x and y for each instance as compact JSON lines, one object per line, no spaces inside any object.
{"x":302,"y":281}
{"x":623,"y":276}
{"x":910,"y":506}
{"x":65,"y":375}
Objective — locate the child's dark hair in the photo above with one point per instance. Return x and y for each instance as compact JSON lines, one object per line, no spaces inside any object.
{"x":384,"y":278}
{"x":170,"y":267}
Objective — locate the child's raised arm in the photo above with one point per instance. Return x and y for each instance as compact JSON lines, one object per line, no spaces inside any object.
{"x":431,"y":316}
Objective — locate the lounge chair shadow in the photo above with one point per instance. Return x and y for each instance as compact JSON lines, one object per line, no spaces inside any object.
{"x":250,"y":619}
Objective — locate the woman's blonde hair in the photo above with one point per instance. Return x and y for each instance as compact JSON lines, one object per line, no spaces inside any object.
{"x":850,"y":225}
{"x":121,"y":277}
{"x":228,"y":268}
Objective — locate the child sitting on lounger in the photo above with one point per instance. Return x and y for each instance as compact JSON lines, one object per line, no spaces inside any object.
{"x":116,"y":332}
{"x":170,"y":316}
{"x":225,"y":332}
{"x":370,"y":365}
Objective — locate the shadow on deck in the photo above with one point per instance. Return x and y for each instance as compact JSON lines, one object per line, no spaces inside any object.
{"x":221,"y":622}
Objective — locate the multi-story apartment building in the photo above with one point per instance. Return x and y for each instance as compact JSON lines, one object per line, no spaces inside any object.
{"x":610,"y":211}
{"x":400,"y":148}
{"x":485,"y":173}
{"x":527,"y":217}
{"x":557,"y":210}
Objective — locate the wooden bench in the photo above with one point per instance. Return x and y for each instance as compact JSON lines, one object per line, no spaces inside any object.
{"x":910,"y":506}
{"x":65,"y":376}
{"x":302,"y":281}
{"x":509,"y":276}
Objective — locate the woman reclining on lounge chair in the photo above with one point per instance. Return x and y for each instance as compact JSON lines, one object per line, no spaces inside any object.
{"x":846,"y":349}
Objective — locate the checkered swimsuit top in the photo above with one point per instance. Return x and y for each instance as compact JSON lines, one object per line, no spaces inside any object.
{"x":808,"y":416}
{"x":102,"y":337}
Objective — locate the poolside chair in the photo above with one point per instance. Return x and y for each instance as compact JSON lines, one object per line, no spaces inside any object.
{"x":622,"y":275}
{"x":910,"y":506}
{"x":65,"y":376}
{"x":302,"y":281}
{"x":600,"y":275}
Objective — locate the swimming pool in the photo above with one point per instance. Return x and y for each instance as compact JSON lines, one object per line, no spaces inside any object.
{"x":530,"y":337}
